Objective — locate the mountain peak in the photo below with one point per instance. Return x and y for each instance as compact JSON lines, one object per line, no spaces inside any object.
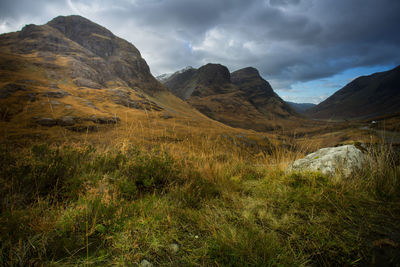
{"x":214,"y":74}
{"x":88,"y":34}
{"x":95,"y":55}
{"x":74,"y":24}
{"x":248,"y":71}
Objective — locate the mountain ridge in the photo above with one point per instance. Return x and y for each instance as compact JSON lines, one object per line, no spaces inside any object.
{"x":240,"y":99}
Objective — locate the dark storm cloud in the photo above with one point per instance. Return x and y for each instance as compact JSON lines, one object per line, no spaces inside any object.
{"x":287,"y":40}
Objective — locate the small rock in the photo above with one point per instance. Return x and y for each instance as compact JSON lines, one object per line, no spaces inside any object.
{"x":31,"y":97}
{"x":166,"y":116}
{"x":83,"y":82}
{"x":145,"y":263}
{"x":54,"y":102}
{"x":89,"y":104}
{"x":56,"y":94}
{"x":103,"y":120}
{"x":174,"y":248}
{"x":66,"y":121}
{"x":10,"y":89}
{"x":83,"y":128}
{"x":46,"y":122}
{"x":54,"y":86}
{"x":31,"y":82}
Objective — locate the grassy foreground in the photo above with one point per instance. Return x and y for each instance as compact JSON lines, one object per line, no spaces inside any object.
{"x":78,"y":206}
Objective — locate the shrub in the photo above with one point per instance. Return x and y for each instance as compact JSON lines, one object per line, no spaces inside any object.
{"x":196,"y":190}
{"x":149,"y":172}
{"x":43,"y":173}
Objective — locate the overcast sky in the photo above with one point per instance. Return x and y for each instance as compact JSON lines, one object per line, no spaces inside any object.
{"x":306,"y":49}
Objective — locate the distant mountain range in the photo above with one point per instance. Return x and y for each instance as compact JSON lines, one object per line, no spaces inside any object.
{"x":240,"y":99}
{"x":367,"y":96}
{"x":301,"y":107}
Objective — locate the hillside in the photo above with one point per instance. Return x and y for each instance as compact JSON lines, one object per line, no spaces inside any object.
{"x":365,"y":97}
{"x":240,"y":99}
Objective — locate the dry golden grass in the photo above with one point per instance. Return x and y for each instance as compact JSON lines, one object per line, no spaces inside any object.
{"x":221,"y":202}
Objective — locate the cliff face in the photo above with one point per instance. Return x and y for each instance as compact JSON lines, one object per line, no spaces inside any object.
{"x":260,"y":93}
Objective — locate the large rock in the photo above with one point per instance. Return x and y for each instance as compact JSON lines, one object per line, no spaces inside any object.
{"x":331,"y":160}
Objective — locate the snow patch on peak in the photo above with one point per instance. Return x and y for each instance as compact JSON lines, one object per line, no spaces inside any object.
{"x":166,"y":76}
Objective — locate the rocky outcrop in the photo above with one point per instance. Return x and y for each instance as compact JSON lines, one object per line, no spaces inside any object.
{"x":83,"y":82}
{"x":343,"y":160}
{"x":123,"y":98}
{"x":70,"y":120}
{"x":56,"y":94}
{"x":66,"y":121}
{"x":44,"y":121}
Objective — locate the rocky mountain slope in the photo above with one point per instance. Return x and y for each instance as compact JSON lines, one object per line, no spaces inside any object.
{"x":240,"y":99}
{"x":364,"y":97}
{"x":76,"y":74}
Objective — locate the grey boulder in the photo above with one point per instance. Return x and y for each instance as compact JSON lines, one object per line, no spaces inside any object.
{"x":344,"y":160}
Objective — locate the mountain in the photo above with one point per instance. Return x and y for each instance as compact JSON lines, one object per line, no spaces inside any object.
{"x":240,"y":99}
{"x":301,"y":107}
{"x":76,"y":74}
{"x":163,"y":77}
{"x":166,"y":76}
{"x":364,"y":97}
